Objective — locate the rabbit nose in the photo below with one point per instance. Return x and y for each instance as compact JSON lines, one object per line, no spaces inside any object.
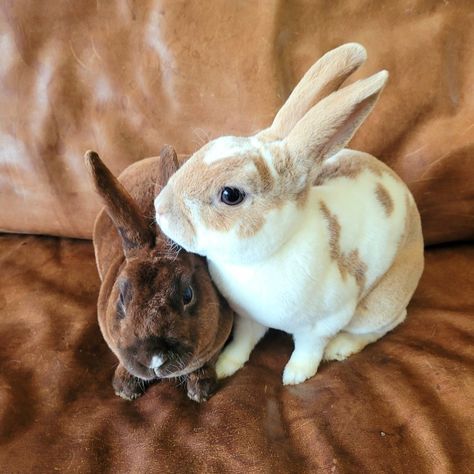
{"x":157,"y":361}
{"x":161,"y":208}
{"x":161,"y":212}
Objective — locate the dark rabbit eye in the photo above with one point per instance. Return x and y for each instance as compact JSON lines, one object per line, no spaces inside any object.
{"x":188,"y":296}
{"x":232,"y":196}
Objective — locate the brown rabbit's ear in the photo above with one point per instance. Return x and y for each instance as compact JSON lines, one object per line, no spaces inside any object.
{"x":168,"y":166}
{"x":120,"y":206}
{"x":323,"y":78}
{"x":329,"y":125}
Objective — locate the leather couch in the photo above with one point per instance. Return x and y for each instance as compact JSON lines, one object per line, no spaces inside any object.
{"x":124,"y":78}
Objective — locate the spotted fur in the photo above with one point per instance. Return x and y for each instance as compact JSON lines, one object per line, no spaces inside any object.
{"x":350,"y":263}
{"x":384,"y":198}
{"x":327,"y":243}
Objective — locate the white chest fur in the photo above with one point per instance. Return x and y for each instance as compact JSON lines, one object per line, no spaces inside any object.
{"x":303,"y":285}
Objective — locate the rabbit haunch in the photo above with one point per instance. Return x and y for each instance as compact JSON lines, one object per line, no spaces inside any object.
{"x":326,"y":243}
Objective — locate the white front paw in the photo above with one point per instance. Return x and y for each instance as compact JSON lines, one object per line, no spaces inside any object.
{"x":229,"y":362}
{"x":297,"y":372}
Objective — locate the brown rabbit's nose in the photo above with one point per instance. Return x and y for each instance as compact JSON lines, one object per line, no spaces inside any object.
{"x":157,"y":361}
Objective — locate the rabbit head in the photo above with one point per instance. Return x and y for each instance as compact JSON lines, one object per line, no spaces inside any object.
{"x":239,"y":199}
{"x":158,"y":309}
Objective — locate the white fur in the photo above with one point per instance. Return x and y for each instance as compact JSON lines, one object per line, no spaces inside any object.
{"x":265,"y":151}
{"x":285,"y":279}
{"x":156,"y":362}
{"x":232,"y":248}
{"x":226,"y":147}
{"x":299,"y":289}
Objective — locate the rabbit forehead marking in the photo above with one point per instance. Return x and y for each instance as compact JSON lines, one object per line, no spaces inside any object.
{"x":226,"y":147}
{"x":348,"y":263}
{"x":383,"y":196}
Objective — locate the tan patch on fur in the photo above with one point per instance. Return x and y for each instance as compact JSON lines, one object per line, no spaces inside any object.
{"x":250,"y":227}
{"x":264,"y":172}
{"x":392,"y":292}
{"x":384,"y":198}
{"x":345,"y":168}
{"x":302,"y":197}
{"x":291,"y":175}
{"x":267,"y":136}
{"x":348,"y":264}
{"x":202,"y":183}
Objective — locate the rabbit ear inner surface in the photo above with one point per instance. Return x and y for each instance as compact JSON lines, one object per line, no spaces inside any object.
{"x":323,"y":78}
{"x":120,"y":206}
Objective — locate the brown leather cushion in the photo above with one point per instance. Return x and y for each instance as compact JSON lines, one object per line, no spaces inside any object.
{"x":404,"y":404}
{"x":126,"y":77}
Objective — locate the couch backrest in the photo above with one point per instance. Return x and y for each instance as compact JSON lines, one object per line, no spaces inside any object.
{"x":124,"y":78}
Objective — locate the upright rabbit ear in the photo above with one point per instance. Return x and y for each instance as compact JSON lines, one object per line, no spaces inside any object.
{"x":323,"y":78}
{"x":120,"y":206}
{"x":168,"y":166}
{"x":329,"y":125}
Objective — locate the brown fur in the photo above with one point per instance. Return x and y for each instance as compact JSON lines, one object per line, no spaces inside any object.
{"x":345,"y":168}
{"x":350,"y":264}
{"x":140,"y":305}
{"x":384,"y":198}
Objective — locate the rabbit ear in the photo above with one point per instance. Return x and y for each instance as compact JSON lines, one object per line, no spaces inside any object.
{"x":120,"y":206}
{"x":329,"y":125}
{"x":168,"y":166}
{"x":323,"y":78}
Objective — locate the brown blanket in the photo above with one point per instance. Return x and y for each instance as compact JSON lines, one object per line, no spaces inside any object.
{"x":403,"y":405}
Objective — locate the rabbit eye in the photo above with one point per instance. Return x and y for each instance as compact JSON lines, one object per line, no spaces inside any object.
{"x":232,"y":196}
{"x":188,"y":296}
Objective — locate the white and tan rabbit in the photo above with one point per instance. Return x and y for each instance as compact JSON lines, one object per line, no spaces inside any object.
{"x":302,"y":234}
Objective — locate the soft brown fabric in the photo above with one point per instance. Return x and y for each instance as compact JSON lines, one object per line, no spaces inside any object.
{"x":403,"y":405}
{"x":126,"y":77}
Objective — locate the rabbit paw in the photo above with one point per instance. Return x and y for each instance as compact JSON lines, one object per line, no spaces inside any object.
{"x":229,"y":362}
{"x":126,"y":385}
{"x":344,"y":344}
{"x":296,"y":373}
{"x":201,"y":384}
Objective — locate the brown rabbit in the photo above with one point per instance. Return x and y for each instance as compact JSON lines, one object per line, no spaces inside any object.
{"x":158,"y":310}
